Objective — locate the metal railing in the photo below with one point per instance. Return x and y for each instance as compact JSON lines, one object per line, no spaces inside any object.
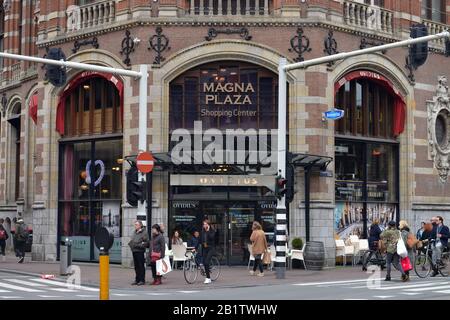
{"x":228,"y":8}
{"x":434,"y":28}
{"x":366,"y":16}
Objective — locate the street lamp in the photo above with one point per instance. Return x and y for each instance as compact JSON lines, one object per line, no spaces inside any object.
{"x":4,"y":102}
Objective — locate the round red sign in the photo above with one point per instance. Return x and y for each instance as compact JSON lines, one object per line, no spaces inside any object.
{"x":145,"y":162}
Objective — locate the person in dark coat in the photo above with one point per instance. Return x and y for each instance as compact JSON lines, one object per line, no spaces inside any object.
{"x":3,"y":237}
{"x":208,"y":247}
{"x":157,"y":251}
{"x":138,"y":244}
{"x":440,"y":234}
{"x":196,"y":245}
{"x":374,"y":235}
{"x":20,"y":235}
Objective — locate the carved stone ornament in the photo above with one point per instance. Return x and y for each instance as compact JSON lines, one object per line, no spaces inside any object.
{"x":439,"y":129}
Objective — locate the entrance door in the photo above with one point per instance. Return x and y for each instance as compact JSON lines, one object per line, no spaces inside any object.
{"x":240,"y":216}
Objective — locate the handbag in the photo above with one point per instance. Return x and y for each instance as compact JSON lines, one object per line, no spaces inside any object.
{"x":154,"y":256}
{"x":406,"y":264}
{"x":267,"y":259}
{"x":411,"y":241}
{"x":401,"y":248}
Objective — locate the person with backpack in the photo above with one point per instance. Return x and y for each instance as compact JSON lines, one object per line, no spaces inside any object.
{"x":21,"y":236}
{"x":3,"y":237}
{"x":410,"y":241}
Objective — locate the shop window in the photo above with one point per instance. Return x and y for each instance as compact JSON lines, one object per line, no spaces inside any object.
{"x":93,"y":108}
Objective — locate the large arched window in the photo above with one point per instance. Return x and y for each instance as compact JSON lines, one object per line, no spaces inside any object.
{"x":91,"y":157}
{"x":366,"y":152}
{"x":14,"y":150}
{"x":93,"y":108}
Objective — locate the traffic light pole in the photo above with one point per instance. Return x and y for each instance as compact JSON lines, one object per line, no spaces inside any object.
{"x":143,"y":69}
{"x":281,"y":220}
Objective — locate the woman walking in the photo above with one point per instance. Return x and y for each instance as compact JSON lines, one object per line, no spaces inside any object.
{"x":3,"y":237}
{"x":138,"y":244}
{"x":259,"y":247}
{"x":157,"y":251}
{"x":390,"y":237}
{"x":208,"y":247}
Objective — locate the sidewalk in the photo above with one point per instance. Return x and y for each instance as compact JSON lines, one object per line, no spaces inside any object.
{"x":236,"y":276}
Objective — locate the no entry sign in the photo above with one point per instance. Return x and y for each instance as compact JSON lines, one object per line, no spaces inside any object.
{"x":145,"y":162}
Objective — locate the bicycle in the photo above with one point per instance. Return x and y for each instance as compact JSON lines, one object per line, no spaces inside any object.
{"x":423,"y":263}
{"x":374,"y":257}
{"x":191,"y":266}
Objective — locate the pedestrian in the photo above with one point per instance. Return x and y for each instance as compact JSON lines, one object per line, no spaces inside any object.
{"x":390,"y":237}
{"x":409,"y":240}
{"x":259,"y":247}
{"x":157,"y":251}
{"x":176,"y":239}
{"x":374,"y":234}
{"x":208,"y":247}
{"x":3,"y":237}
{"x":440,"y":234}
{"x":421,"y":230}
{"x":138,"y":244}
{"x":21,"y":236}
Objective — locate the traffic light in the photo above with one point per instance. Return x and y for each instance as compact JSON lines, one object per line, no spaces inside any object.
{"x":280,"y":187}
{"x":55,"y":74}
{"x":135,"y":189}
{"x":418,"y":52}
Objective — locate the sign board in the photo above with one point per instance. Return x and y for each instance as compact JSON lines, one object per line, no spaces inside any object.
{"x":334,"y":114}
{"x":145,"y":162}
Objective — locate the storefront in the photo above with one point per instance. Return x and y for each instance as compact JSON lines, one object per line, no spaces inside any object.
{"x":223,"y":96}
{"x":367,"y":153}
{"x":90,"y":158}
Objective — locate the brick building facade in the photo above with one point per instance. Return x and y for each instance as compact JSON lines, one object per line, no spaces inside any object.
{"x":181,"y":40}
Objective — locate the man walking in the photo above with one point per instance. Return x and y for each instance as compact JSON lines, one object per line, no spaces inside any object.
{"x":21,"y":236}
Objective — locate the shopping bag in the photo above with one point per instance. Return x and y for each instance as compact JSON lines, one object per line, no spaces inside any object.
{"x":406,"y":264}
{"x":401,"y":248}
{"x":267,"y":259}
{"x":163,"y":266}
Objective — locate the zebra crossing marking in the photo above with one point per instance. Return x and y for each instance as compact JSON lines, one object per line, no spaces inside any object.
{"x":63,"y":284}
{"x":428,"y":289}
{"x":14,"y":287}
{"x":28,"y":283}
{"x":46,"y":296}
{"x":403,"y":287}
{"x":10,"y":297}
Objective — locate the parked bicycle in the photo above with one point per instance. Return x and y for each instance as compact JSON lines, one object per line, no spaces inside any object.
{"x":374,"y":257}
{"x":192,"y":266}
{"x":423,"y":264}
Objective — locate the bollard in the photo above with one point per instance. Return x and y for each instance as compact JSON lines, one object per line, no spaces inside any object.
{"x":104,"y":274}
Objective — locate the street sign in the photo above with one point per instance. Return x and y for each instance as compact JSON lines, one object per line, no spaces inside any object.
{"x":145,"y":162}
{"x":334,"y":114}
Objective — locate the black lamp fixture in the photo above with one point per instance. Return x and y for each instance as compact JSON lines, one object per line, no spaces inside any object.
{"x":4,"y":102}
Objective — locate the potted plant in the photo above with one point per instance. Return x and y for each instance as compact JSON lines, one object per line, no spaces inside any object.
{"x":297,"y":244}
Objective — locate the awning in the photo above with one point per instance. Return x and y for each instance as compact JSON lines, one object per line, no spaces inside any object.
{"x":74,"y":83}
{"x":33,"y":107}
{"x":399,"y":107}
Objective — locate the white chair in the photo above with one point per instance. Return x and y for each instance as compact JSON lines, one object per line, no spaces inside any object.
{"x":179,"y":253}
{"x":168,"y":252}
{"x":251,"y":257}
{"x":273,"y":256}
{"x":298,"y":255}
{"x":354,"y":241}
{"x":363,"y":247}
{"x":185,"y":244}
{"x":343,"y":251}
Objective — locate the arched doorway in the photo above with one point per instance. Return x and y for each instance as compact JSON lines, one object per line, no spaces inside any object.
{"x":89,"y":117}
{"x":366,"y":152}
{"x":14,"y":120}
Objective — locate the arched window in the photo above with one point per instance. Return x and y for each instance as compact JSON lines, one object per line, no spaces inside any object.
{"x":92,"y":108}
{"x":14,"y":153}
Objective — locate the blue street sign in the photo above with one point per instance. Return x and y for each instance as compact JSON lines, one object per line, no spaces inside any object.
{"x":334,"y":114}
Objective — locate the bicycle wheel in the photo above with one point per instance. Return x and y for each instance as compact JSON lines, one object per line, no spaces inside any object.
{"x":214,"y":267}
{"x":444,"y":265}
{"x":422,"y":265}
{"x":190,"y":271}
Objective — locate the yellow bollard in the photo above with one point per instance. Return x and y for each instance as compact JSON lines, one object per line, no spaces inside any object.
{"x":104,"y":275}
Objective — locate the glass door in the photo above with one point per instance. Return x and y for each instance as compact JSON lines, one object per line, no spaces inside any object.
{"x":240,"y":216}
{"x":216,"y":214}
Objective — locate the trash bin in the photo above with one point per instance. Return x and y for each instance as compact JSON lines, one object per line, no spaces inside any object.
{"x":65,"y":256}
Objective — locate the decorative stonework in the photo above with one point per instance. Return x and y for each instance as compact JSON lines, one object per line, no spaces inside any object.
{"x":439,"y":129}
{"x":73,"y":18}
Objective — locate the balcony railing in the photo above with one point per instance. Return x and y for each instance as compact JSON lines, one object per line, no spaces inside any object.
{"x":366,"y":16}
{"x":434,"y":28}
{"x":90,"y":15}
{"x":228,"y":8}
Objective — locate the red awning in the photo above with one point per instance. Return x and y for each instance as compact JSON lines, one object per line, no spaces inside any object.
{"x":74,"y":83}
{"x":33,"y":107}
{"x":399,"y":107}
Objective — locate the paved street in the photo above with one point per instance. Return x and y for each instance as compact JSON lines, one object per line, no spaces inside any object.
{"x":18,"y":287}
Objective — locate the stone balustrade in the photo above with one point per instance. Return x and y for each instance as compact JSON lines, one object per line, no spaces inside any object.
{"x":366,"y":16}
